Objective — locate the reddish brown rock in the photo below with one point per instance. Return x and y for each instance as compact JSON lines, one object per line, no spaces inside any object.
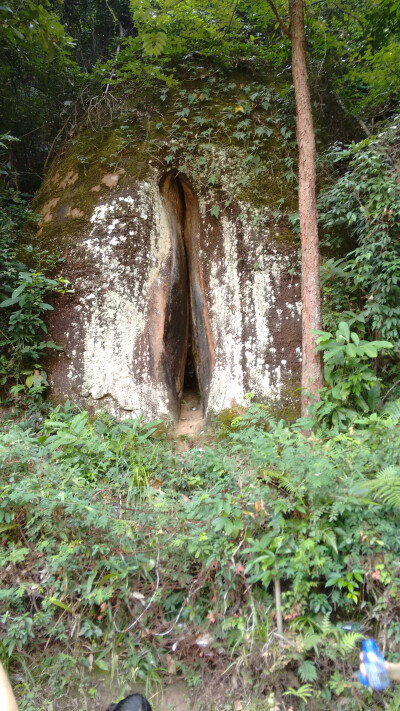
{"x":166,"y":296}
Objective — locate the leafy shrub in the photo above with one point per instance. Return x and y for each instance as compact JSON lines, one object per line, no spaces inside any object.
{"x":363,"y":205}
{"x":112,"y":540}
{"x":22,"y":298}
{"x":314,"y":525}
{"x":352,"y":387}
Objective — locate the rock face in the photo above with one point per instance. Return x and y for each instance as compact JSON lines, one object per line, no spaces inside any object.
{"x":166,"y":294}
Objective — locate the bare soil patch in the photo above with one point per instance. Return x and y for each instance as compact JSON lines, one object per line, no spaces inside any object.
{"x":191,"y":421}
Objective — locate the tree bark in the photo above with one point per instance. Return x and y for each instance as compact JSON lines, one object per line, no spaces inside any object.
{"x":311,"y":373}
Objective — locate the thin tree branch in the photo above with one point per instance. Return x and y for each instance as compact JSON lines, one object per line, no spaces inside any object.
{"x":112,"y":68}
{"x":390,"y":390}
{"x":149,"y":604}
{"x":58,"y":134}
{"x":359,"y":120}
{"x":278,"y":17}
{"x":278,"y":605}
{"x":235,"y":4}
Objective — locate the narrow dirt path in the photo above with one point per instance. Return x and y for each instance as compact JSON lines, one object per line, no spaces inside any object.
{"x":191,"y":421}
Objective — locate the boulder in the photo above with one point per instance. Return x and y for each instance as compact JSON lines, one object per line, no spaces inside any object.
{"x":183,"y":274}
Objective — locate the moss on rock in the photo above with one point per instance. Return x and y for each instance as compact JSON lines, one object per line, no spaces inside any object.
{"x":232,"y":116}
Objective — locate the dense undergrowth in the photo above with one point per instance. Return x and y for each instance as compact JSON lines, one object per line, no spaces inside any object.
{"x":123,"y":556}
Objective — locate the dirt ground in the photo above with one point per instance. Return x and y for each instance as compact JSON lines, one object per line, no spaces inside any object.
{"x":175,"y":697}
{"x":191,"y":422}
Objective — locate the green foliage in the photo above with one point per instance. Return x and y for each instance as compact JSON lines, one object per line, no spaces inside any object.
{"x":179,"y":28}
{"x":304,"y":692}
{"x":131,"y":536}
{"x":38,"y":82}
{"x":22,"y":343}
{"x":33,"y":20}
{"x":22,"y":294}
{"x":308,"y":671}
{"x":373,"y":74}
{"x":154,"y":43}
{"x":386,"y":486}
{"x":363,"y":205}
{"x":112,"y":542}
{"x":356,"y":45}
{"x":301,"y":538}
{"x":352,"y":387}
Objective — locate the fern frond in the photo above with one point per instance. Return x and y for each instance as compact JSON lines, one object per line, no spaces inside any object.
{"x":326,"y":535}
{"x":326,"y":625}
{"x":392,"y":410}
{"x":308,"y":671}
{"x":305,"y":624}
{"x":348,"y":641}
{"x":310,"y":641}
{"x":386,"y":486}
{"x":154,"y":43}
{"x":303,"y":692}
{"x":285,"y":482}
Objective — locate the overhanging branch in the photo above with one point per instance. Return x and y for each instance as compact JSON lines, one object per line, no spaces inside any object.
{"x":278,"y":17}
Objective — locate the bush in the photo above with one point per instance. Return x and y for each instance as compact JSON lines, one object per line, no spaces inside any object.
{"x":23,"y":292}
{"x":113,"y":540}
{"x":362,"y":207}
{"x":352,"y":387}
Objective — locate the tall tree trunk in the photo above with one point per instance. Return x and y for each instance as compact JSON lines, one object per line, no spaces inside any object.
{"x":311,"y":374}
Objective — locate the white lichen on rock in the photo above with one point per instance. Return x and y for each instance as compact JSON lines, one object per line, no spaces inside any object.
{"x":116,"y":353}
{"x":115,"y":346}
{"x":245,"y":315}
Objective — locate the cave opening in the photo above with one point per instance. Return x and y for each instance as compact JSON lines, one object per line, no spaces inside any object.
{"x":186,"y":349}
{"x":190,"y":381}
{"x":190,"y":400}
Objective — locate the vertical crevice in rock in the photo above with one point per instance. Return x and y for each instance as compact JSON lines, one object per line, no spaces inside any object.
{"x":187,"y":360}
{"x":176,"y":328}
{"x":201,"y":343}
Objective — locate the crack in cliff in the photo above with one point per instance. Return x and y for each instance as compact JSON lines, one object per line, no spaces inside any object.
{"x":187,"y":357}
{"x":191,"y":395}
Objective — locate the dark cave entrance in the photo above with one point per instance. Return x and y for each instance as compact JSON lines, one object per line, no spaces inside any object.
{"x":190,"y":381}
{"x":191,"y":402}
{"x":186,"y":349}
{"x":191,"y":394}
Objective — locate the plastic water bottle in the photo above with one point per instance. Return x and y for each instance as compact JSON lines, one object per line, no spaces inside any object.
{"x":377,"y":676}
